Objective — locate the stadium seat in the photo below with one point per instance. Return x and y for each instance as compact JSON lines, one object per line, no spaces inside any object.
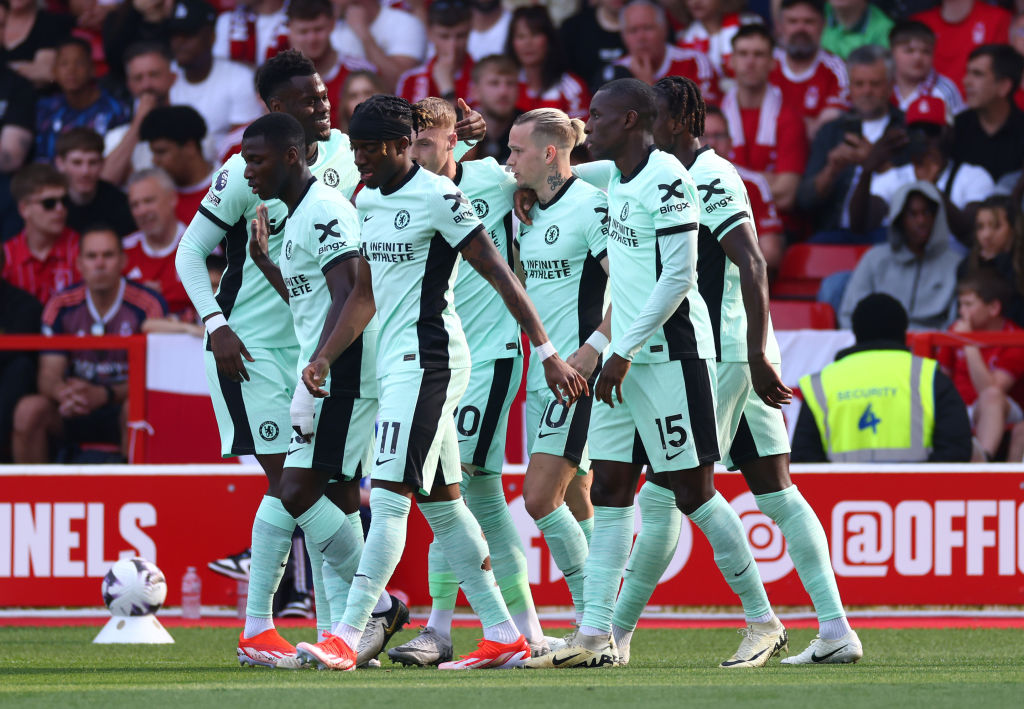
{"x":804,"y":265}
{"x":802,"y":315}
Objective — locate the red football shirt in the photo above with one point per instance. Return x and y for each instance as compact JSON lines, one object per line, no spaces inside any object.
{"x":690,"y":64}
{"x":189,"y":199}
{"x":770,"y":138}
{"x":569,"y":94}
{"x":417,"y":84}
{"x":1008,"y":359}
{"x":762,"y":204}
{"x":42,"y":278}
{"x":824,"y":85}
{"x":984,"y":24}
{"x":155,"y":269}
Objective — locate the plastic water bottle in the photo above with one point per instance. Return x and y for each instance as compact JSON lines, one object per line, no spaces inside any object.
{"x":243,"y":598}
{"x":191,"y":586}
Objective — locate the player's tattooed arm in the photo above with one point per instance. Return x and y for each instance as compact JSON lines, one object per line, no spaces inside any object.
{"x":351,"y":321}
{"x":740,"y":245}
{"x":566,"y":383}
{"x":259,"y":236}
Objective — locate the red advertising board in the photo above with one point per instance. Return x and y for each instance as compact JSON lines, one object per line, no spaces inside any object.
{"x":949,"y":535}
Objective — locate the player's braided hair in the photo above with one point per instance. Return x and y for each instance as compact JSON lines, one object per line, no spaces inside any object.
{"x":386,"y":115}
{"x":280,"y":69}
{"x":684,"y":101}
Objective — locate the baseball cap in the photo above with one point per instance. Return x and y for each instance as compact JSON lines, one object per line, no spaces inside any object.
{"x":927,"y":109}
{"x":190,"y":16}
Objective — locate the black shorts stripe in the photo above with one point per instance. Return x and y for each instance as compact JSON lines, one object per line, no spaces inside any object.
{"x":678,"y":329}
{"x":711,"y":265}
{"x":500,"y":384}
{"x":743,"y":448}
{"x":332,"y":434}
{"x":426,"y":420}
{"x":576,"y":438}
{"x":700,"y":405}
{"x":430,"y":330}
{"x":241,"y":441}
{"x":346,"y":372}
{"x":639,"y":452}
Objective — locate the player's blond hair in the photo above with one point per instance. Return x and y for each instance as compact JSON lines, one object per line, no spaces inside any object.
{"x":554,"y":127}
{"x":434,"y":112}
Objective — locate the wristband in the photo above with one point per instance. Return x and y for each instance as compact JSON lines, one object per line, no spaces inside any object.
{"x":598,"y":341}
{"x":545,"y":350}
{"x":215,"y":322}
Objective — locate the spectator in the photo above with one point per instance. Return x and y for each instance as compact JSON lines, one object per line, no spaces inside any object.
{"x":998,"y":246}
{"x":987,"y":378}
{"x":175,"y":136}
{"x":447,"y":74}
{"x":148,"y":68}
{"x":770,"y":236}
{"x":961,"y":26}
{"x":841,"y":146}
{"x":810,"y":78}
{"x":221,"y":90}
{"x":916,"y":266}
{"x":650,"y":57}
{"x":90,"y":199}
{"x":914,"y":75}
{"x":711,"y":32}
{"x":134,"y":21}
{"x":592,"y":40}
{"x":961,"y":185}
{"x":989,"y":132}
{"x":544,"y":81}
{"x":19,"y":315}
{"x":31,"y":36}
{"x":490,"y":27}
{"x":392,"y":40}
{"x":878,"y":403}
{"x":767,"y":136}
{"x":358,"y":86}
{"x":310,"y":23}
{"x":252,"y":32}
{"x":149,"y":252}
{"x":83,"y":394}
{"x":43,"y":258}
{"x":854,"y":23}
{"x":81,"y":101}
{"x":17,"y":112}
{"x":496,"y":88}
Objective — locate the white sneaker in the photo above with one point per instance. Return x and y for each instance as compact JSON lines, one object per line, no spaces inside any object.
{"x":567,"y":640}
{"x":761,"y":642}
{"x":600,"y":653}
{"x":427,"y":648}
{"x":846,"y":649}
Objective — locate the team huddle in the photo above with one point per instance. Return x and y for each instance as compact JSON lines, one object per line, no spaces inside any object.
{"x":349,"y":341}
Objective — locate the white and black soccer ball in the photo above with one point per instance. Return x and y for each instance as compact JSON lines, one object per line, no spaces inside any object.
{"x":134,"y":587}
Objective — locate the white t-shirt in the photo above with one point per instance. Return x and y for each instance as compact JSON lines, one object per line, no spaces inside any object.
{"x":490,"y":41}
{"x":971,"y":183}
{"x":142,"y":156}
{"x":397,"y":32}
{"x":226,"y":98}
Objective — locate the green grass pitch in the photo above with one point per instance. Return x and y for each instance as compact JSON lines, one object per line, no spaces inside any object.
{"x":60,"y":667}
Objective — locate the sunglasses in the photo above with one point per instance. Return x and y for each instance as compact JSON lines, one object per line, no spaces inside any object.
{"x":50,"y":203}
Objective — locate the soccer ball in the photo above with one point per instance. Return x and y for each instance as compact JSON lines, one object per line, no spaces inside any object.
{"x":134,"y":587}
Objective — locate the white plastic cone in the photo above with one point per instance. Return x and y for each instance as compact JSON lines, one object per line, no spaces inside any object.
{"x":139,"y":629}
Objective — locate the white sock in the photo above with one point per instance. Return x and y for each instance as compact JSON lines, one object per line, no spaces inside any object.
{"x":621,"y":635}
{"x":254,"y":626}
{"x":592,"y":631}
{"x":762,"y":618}
{"x":441,"y":621}
{"x":828,"y":629}
{"x":579,"y":618}
{"x":529,"y":625}
{"x":505,"y":632}
{"x":383,"y":603}
{"x":350,"y":635}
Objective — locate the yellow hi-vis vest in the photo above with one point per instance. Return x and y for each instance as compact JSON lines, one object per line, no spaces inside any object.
{"x":874,"y":406}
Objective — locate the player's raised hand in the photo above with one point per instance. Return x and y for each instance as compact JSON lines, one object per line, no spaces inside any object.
{"x":566,"y":383}
{"x":767,"y":383}
{"x":612,"y":374}
{"x":522,"y":202}
{"x":259,"y":235}
{"x":314,"y":376}
{"x":472,"y":126}
{"x":302,"y":411}
{"x":228,"y":352}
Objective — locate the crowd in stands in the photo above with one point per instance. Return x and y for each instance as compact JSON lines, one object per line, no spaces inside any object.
{"x":894,"y":124}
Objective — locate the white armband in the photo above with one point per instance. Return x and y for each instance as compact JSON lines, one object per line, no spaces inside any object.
{"x":545,"y":350}
{"x":598,"y":341}
{"x":215,"y":322}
